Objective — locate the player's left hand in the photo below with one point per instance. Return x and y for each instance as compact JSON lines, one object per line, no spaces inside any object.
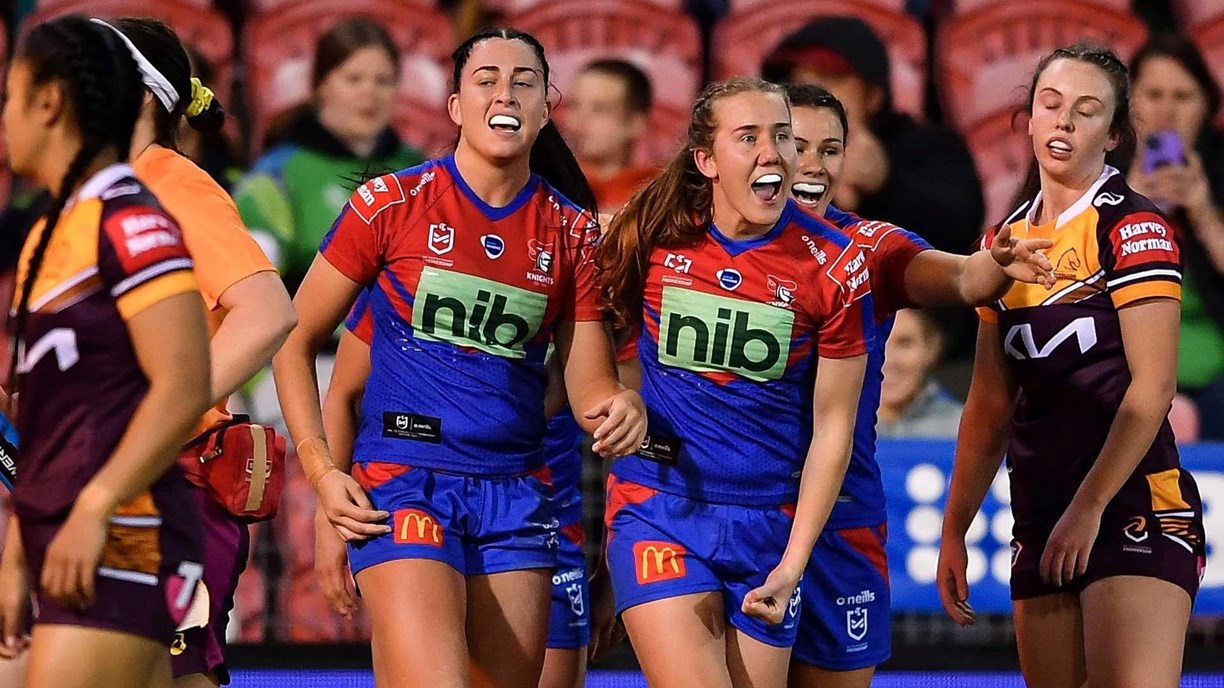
{"x":607,"y":630}
{"x":1066,"y":552}
{"x":1022,"y":260}
{"x":771,"y":601}
{"x":624,"y":426}
{"x":72,"y":558}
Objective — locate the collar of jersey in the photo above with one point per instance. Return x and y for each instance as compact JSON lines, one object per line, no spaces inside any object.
{"x":734,"y":247}
{"x":493,"y":214}
{"x":102,"y":180}
{"x":1080,"y":204}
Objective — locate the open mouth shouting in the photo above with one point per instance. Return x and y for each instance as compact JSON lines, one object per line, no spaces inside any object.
{"x":809,"y":193}
{"x":768,"y":187}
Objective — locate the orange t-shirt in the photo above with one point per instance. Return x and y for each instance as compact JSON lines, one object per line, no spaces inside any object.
{"x":220,"y":245}
{"x":613,"y":192}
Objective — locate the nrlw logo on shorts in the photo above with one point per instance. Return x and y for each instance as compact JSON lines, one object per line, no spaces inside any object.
{"x":475,"y":312}
{"x":658,"y":561}
{"x":707,"y":333}
{"x":415,"y":527}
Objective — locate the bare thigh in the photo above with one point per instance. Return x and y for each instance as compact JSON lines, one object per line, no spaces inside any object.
{"x":681,"y":641}
{"x":1134,"y":632}
{"x":564,"y":668}
{"x":64,"y":656}
{"x":1050,"y":638}
{"x":417,"y":609}
{"x":754,"y":664}
{"x":507,"y":627}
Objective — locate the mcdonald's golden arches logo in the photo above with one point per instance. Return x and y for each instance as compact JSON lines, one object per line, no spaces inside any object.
{"x":415,"y":527}
{"x":658,"y":561}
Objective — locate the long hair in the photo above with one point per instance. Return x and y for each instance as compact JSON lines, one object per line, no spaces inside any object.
{"x":670,"y":212}
{"x":103,"y":91}
{"x":551,"y":157}
{"x":162,"y":48}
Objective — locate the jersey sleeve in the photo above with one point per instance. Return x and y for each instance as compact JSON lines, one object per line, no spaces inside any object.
{"x":583,"y":302}
{"x":356,"y":244}
{"x":844,"y":329}
{"x":223,"y":251}
{"x":889,"y":250}
{"x":1142,"y":259}
{"x":989,"y":313}
{"x":142,"y":258}
{"x":360,"y":321}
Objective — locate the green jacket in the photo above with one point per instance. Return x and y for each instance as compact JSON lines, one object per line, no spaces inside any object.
{"x":292,"y":195}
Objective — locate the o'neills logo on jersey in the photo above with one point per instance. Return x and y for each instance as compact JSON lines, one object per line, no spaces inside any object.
{"x":708,"y":333}
{"x":470,"y":311}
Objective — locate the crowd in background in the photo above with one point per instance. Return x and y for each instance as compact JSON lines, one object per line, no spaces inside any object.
{"x":906,"y":167}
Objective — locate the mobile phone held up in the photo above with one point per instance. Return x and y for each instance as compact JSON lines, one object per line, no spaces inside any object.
{"x":1163,"y":148}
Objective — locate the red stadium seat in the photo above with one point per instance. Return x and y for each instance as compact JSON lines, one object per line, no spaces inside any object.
{"x":197,"y":24}
{"x":510,"y":8}
{"x":985,"y":59}
{"x":665,"y":44}
{"x":280,"y":47}
{"x":747,"y":36}
{"x":261,"y":6}
{"x":1002,"y":154}
{"x":1195,"y":13}
{"x":743,"y":5}
{"x":964,"y":6}
{"x":6,"y":175}
{"x":1210,"y":40}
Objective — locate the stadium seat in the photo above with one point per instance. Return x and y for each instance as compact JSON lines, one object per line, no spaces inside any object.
{"x":986,"y":58}
{"x":665,"y":44}
{"x":965,"y":6}
{"x":6,"y":176}
{"x":1194,"y":13}
{"x":743,"y":5}
{"x":510,"y":8}
{"x":280,"y":49}
{"x":745,"y":37}
{"x":206,"y":30}
{"x":261,"y":6}
{"x":1210,"y":40}
{"x":1002,"y":154}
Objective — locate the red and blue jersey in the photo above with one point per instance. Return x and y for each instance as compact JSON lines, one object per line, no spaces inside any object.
{"x":889,"y":250}
{"x":731,"y":333}
{"x":464,"y":298}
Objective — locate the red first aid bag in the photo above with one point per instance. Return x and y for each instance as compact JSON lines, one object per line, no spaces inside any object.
{"x":241,"y":465}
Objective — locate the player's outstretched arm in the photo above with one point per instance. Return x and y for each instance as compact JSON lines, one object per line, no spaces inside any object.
{"x":935,"y":278}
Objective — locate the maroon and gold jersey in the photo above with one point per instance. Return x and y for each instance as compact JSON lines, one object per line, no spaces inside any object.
{"x":1063,"y":346}
{"x":115,"y":252}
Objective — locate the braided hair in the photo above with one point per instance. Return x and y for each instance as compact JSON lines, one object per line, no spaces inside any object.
{"x":103,"y":93}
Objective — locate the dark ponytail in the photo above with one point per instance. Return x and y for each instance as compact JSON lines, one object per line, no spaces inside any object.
{"x":671,"y":212}
{"x":103,"y":93}
{"x":163,"y":49}
{"x":551,"y":157}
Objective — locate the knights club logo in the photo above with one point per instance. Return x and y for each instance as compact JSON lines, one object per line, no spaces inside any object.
{"x":784,"y":290}
{"x":542,"y":254}
{"x":441,"y":238}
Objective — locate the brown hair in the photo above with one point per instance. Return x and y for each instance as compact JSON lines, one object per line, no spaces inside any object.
{"x":670,"y":212}
{"x":343,"y":39}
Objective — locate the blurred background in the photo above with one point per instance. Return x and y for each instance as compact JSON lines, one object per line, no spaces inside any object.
{"x":322,"y":91}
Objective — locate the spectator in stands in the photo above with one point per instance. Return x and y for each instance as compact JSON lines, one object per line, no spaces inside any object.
{"x":605,"y":114}
{"x":912,"y":174}
{"x":912,"y":404}
{"x":1176,"y":100}
{"x":297,"y":188}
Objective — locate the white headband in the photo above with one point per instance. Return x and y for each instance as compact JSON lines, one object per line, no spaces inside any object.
{"x":158,"y":84}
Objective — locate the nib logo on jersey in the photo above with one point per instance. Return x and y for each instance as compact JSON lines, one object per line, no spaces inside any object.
{"x":708,"y":333}
{"x":470,"y":311}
